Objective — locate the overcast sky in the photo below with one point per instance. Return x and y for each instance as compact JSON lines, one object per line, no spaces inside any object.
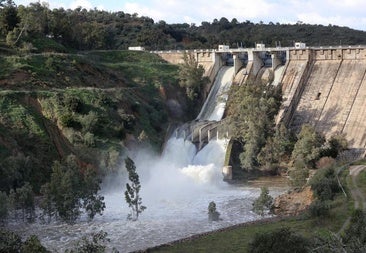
{"x":351,"y":13}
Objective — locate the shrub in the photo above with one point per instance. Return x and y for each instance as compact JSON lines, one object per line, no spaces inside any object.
{"x":73,"y":103}
{"x":325,"y":162}
{"x":10,"y":242}
{"x":32,"y":245}
{"x":308,"y":146}
{"x":67,"y":120}
{"x":96,"y":244}
{"x":89,"y":139}
{"x":279,"y":241}
{"x":3,"y":206}
{"x":355,"y":235}
{"x":298,"y":177}
{"x":90,"y":121}
{"x":319,"y":208}
{"x":325,"y":184}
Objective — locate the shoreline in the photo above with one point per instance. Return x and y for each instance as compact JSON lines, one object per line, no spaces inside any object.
{"x":196,"y":236}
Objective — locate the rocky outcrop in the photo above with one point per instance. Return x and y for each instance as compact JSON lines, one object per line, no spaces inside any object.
{"x":293,"y":203}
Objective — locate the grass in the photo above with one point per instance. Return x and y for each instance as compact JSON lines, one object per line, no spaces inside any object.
{"x":237,"y":239}
{"x":141,"y":67}
{"x":361,"y":182}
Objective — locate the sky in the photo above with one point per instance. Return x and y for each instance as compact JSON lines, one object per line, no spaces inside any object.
{"x":350,"y":13}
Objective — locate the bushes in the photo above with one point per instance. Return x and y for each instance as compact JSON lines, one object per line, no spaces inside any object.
{"x":325,"y":184}
{"x":3,"y":206}
{"x":68,"y":120}
{"x":319,"y":208}
{"x":298,"y":177}
{"x":10,"y":242}
{"x":279,"y":241}
{"x":308,"y":146}
{"x":32,"y":245}
{"x":96,"y":243}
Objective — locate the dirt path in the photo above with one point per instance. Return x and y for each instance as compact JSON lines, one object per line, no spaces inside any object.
{"x":358,"y":197}
{"x":360,"y":201}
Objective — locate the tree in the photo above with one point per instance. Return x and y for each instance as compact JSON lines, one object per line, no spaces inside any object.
{"x":308,"y":146}
{"x":8,"y":16}
{"x":335,"y":145}
{"x":132,"y":196}
{"x":94,"y":244}
{"x":71,"y":189}
{"x":325,"y":184}
{"x":191,"y":78}
{"x":91,"y":201}
{"x":213,"y":214}
{"x":22,"y":199}
{"x":298,"y":177}
{"x":251,"y":110}
{"x":278,"y":148}
{"x":25,"y":200}
{"x":3,"y":206}
{"x":32,"y":245}
{"x":263,"y":202}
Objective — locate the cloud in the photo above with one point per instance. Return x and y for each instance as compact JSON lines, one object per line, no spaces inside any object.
{"x":81,"y":3}
{"x":342,"y":13}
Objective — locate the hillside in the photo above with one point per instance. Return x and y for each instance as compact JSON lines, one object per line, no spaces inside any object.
{"x":91,"y":105}
{"x":36,"y":28}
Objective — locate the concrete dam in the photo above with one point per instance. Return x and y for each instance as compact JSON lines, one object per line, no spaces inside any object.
{"x":321,"y":86}
{"x":326,"y":87}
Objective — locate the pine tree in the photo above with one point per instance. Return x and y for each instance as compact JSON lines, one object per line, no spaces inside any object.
{"x":263,"y":202}
{"x":132,"y":196}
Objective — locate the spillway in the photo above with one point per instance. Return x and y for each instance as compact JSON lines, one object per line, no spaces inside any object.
{"x":176,"y":188}
{"x":214,"y":106}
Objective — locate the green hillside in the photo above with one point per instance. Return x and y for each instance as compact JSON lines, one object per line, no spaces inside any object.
{"x":91,"y":105}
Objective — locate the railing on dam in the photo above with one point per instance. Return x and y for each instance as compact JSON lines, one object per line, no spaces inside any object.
{"x":264,"y":49}
{"x":200,"y":132}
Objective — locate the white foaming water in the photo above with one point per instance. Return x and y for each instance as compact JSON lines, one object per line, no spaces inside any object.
{"x":214,"y":106}
{"x":176,"y":189}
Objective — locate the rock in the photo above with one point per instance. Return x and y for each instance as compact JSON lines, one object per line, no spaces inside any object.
{"x":293,"y":203}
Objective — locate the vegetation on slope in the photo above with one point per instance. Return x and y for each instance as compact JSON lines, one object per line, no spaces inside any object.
{"x":90,"y":106}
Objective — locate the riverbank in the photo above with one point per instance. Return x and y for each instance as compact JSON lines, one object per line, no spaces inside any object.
{"x":238,"y":237}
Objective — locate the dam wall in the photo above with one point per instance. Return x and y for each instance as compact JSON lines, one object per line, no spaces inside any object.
{"x":209,"y":60}
{"x":321,"y":86}
{"x":331,"y":95}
